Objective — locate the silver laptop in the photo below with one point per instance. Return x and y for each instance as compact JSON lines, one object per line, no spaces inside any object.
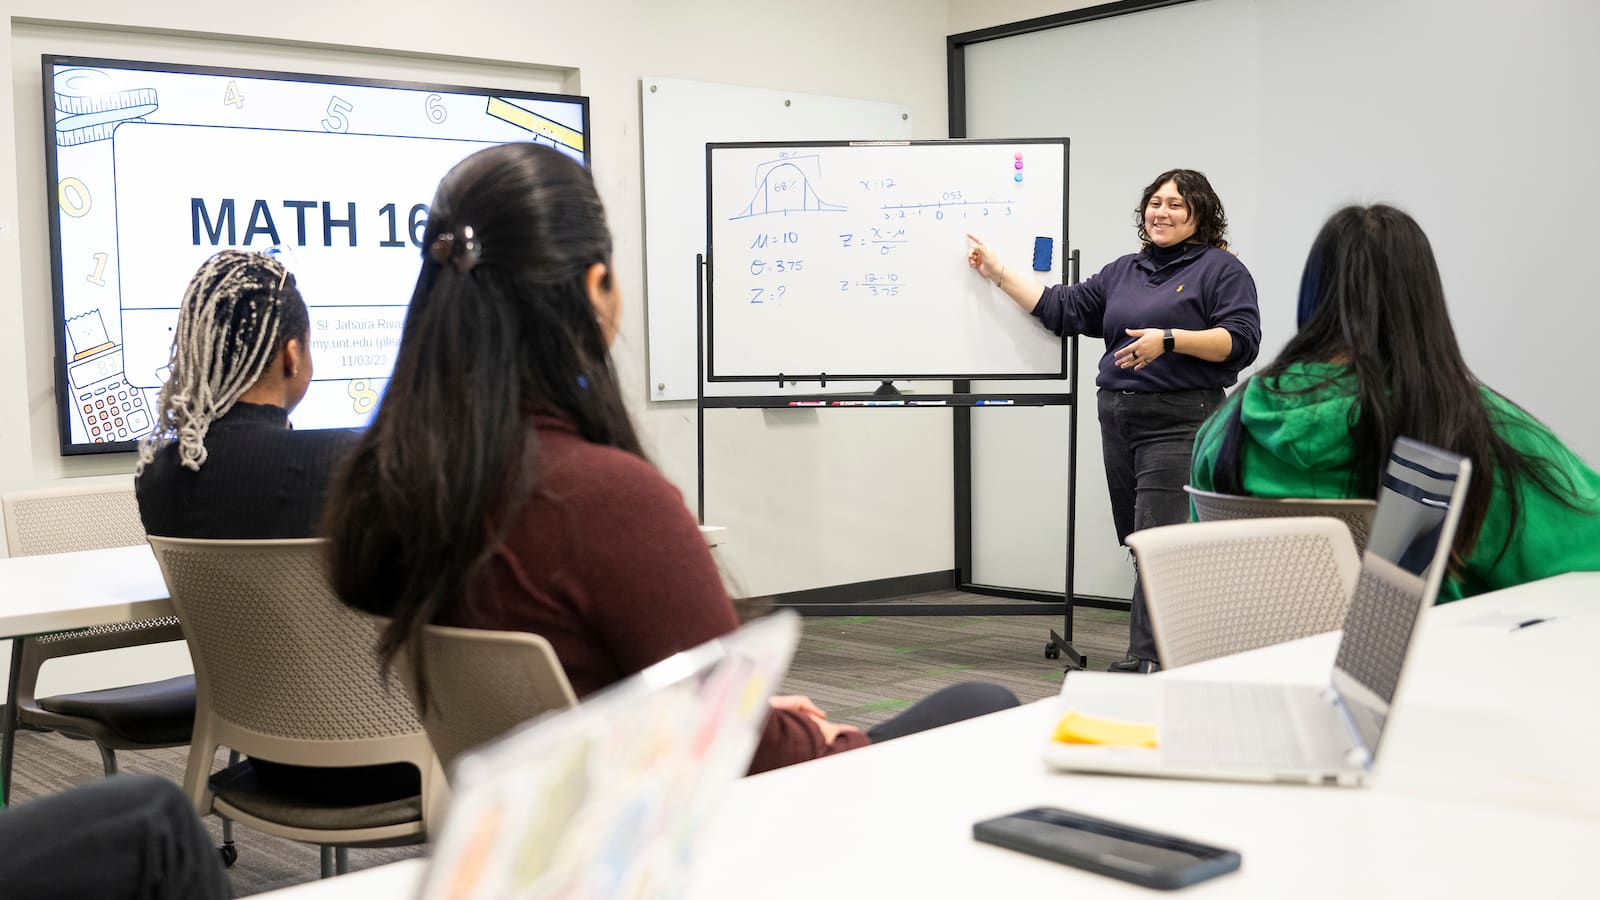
{"x":605,"y":799}
{"x":1298,"y":733}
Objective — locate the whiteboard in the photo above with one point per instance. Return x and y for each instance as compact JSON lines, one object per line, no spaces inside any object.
{"x":679,"y":118}
{"x":849,"y":260}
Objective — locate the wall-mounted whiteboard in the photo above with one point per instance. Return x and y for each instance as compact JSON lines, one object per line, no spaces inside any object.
{"x":679,"y":119}
{"x":849,"y":260}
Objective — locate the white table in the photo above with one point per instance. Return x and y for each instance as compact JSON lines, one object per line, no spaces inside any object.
{"x":62,"y":591}
{"x":1488,"y":785}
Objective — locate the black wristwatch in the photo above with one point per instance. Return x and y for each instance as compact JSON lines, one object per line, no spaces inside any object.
{"x":1167,"y":341}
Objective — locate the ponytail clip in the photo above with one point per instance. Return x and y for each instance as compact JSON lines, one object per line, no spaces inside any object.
{"x":458,"y":248}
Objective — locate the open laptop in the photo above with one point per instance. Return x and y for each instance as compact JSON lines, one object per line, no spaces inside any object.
{"x":604,"y":800}
{"x":1298,"y":733}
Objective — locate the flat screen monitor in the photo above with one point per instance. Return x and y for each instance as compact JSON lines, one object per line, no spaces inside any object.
{"x":153,"y":167}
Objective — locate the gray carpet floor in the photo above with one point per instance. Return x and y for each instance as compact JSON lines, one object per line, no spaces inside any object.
{"x":861,"y":669}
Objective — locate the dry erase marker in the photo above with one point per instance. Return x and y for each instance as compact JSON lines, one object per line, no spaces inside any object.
{"x":808,"y":403}
{"x":849,"y":403}
{"x":926,"y":403}
{"x":994,"y":402}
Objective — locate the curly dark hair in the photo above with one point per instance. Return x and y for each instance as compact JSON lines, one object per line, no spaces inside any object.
{"x":1205,"y":207}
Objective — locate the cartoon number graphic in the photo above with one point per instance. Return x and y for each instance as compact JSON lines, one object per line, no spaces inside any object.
{"x":75,"y":199}
{"x":97,"y":277}
{"x":336,"y":121}
{"x":435,"y":107}
{"x":362,"y":397}
{"x":232,"y":97}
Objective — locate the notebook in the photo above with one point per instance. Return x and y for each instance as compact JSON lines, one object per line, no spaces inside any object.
{"x":605,"y":799}
{"x":1299,"y":733}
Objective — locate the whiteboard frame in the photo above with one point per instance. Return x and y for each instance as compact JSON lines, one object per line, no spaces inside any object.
{"x":1062,"y":372}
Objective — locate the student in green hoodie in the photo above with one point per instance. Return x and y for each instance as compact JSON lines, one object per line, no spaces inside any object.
{"x":1375,"y":359}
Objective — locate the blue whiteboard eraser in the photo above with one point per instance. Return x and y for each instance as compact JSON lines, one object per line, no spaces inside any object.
{"x":1043,"y":248}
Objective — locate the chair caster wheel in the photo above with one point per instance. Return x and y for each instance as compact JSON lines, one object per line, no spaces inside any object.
{"x":230,"y":855}
{"x":1051,"y":651}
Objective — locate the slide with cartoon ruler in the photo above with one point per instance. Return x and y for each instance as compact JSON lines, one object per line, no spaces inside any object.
{"x":157,"y":170}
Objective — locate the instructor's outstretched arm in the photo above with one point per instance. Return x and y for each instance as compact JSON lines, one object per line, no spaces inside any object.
{"x":1022,"y":290}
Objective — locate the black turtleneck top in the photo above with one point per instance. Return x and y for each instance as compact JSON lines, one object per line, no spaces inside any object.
{"x":260,"y":479}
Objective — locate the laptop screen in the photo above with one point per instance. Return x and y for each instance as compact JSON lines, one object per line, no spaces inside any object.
{"x":605,"y":799}
{"x":1419,"y":502}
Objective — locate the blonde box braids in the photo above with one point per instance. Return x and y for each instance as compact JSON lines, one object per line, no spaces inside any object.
{"x":227,"y":332}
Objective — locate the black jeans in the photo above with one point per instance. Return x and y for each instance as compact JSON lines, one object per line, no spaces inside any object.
{"x":944,"y":706}
{"x":1148,"y":441}
{"x":129,"y":836}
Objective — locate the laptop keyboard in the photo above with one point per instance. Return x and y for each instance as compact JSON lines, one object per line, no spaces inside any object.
{"x":1228,"y":724}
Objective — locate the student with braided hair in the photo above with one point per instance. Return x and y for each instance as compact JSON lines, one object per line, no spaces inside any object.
{"x":223,"y":462}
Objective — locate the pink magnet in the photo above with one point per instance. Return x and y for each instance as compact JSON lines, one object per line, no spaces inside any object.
{"x":1019,"y":165}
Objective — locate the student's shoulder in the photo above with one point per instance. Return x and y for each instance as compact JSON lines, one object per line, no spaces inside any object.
{"x":1518,"y":427}
{"x":577,"y":467}
{"x":333,"y":442}
{"x":1224,"y":261}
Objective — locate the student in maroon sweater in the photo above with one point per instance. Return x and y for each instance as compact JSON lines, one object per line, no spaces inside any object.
{"x":501,"y":484}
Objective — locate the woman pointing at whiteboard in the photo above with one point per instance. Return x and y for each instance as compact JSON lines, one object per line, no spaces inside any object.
{"x":1179,"y":319}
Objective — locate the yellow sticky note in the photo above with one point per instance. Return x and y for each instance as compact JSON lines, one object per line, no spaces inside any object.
{"x":1077,"y":728}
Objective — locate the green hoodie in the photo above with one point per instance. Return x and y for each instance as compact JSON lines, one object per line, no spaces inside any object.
{"x":1298,"y":445}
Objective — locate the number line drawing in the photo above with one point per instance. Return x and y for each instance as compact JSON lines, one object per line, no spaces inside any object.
{"x":784,"y":186}
{"x":937,"y":203}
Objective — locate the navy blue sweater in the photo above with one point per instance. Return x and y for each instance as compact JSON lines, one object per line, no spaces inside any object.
{"x":1203,"y":288}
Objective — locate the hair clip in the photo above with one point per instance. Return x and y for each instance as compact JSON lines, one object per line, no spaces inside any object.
{"x":458,"y":248}
{"x":282,"y":256}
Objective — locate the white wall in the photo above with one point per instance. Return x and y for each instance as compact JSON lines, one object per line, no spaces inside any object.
{"x":972,"y":15}
{"x":804,"y":499}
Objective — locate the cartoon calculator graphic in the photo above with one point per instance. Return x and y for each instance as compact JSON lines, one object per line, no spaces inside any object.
{"x":109,"y":408}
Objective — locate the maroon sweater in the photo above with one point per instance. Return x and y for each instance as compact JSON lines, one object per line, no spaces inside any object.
{"x":607,"y":564}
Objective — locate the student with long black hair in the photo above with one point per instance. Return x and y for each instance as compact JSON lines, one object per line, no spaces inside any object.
{"x":1376,"y":358}
{"x":501,"y":484}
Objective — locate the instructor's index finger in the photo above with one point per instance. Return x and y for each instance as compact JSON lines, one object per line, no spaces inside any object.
{"x":975,"y":239}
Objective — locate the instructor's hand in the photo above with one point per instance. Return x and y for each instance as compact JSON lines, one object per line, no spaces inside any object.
{"x":1146,"y":346}
{"x":981,"y":258}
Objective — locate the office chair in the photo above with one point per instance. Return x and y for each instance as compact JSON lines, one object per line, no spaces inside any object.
{"x":482,"y":684}
{"x":1219,"y":588}
{"x":158,"y":714}
{"x":289,"y":674}
{"x":1355,"y":514}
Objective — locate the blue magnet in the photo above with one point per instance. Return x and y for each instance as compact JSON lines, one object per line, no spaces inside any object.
{"x":1043,"y":248}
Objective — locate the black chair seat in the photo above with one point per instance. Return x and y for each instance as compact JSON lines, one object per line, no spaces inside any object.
{"x":239,"y":785}
{"x":160,"y":712}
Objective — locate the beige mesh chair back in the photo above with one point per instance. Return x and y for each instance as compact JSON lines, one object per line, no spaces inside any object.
{"x":482,"y":684}
{"x":1355,"y":514}
{"x":289,"y":674}
{"x":66,"y":518}
{"x":1218,"y":588}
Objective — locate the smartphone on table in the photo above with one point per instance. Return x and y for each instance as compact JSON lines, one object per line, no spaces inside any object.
{"x":1143,"y":857}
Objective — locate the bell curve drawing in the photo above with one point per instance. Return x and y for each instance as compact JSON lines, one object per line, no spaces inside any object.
{"x":788,"y":185}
